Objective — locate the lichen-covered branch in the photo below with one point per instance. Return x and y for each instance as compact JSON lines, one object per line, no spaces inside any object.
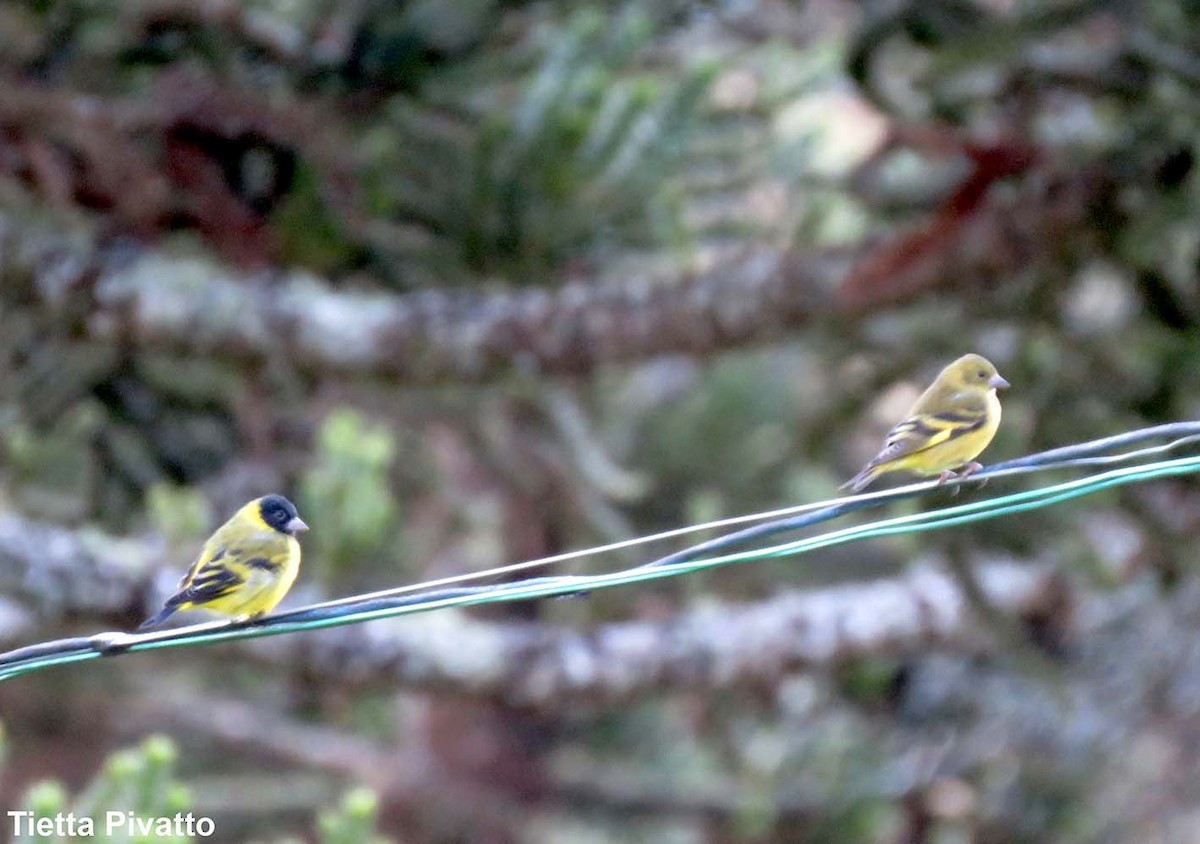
{"x":713,"y":646}
{"x":154,"y":302}
{"x":55,"y":572}
{"x":542,"y":665}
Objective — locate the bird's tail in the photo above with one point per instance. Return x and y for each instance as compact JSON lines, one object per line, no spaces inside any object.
{"x":158,"y":618}
{"x":860,"y":481}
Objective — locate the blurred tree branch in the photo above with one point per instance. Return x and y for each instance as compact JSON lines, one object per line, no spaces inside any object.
{"x":155,"y":302}
{"x":719,"y":645}
{"x":56,"y":572}
{"x":540,"y":665}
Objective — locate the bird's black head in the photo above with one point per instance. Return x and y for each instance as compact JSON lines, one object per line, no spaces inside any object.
{"x":280,"y":514}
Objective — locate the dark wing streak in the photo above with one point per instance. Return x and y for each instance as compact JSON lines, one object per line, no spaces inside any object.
{"x":915,"y":434}
{"x":971,"y":418}
{"x":264,"y":563}
{"x":211,"y":584}
{"x":196,"y":567}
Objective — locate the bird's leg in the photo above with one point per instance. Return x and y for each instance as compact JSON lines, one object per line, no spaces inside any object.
{"x":969,"y":469}
{"x":945,"y":475}
{"x":965,"y":471}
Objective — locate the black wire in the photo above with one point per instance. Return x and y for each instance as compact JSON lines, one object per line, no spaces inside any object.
{"x":415,"y":598}
{"x":1072,"y":456}
{"x":58,"y":647}
{"x":1064,"y":457}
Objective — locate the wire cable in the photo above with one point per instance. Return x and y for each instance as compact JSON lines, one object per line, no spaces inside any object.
{"x":437,"y":594}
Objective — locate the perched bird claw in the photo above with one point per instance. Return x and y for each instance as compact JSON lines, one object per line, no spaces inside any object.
{"x":948,"y":475}
{"x":970,"y":469}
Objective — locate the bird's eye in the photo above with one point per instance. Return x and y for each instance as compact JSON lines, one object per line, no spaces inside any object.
{"x":982,"y":374}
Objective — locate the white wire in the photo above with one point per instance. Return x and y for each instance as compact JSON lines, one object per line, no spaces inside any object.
{"x":739,"y":520}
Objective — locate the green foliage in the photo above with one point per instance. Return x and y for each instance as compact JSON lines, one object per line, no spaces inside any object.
{"x":311,"y":233}
{"x":142,"y":780}
{"x":88,"y":436}
{"x":583,"y":153}
{"x":139,"y":780}
{"x":870,"y":680}
{"x":862,"y":820}
{"x":179,"y":513}
{"x":352,"y":821}
{"x":50,"y":464}
{"x":737,"y":418}
{"x":399,"y":44}
{"x":347,"y":491}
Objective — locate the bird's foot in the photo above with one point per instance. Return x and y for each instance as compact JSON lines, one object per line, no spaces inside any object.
{"x":966,"y":471}
{"x":946,"y":475}
{"x":970,"y":469}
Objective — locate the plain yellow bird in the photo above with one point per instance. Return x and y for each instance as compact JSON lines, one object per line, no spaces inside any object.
{"x":950,"y":425}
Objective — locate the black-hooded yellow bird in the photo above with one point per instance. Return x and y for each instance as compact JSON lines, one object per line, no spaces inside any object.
{"x":950,"y":425}
{"x":246,"y":567}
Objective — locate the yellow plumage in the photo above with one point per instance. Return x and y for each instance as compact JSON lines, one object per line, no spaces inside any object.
{"x":949,"y":426}
{"x":246,"y":567}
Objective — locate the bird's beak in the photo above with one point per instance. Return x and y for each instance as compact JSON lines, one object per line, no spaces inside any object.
{"x":998,"y":383}
{"x":296,"y":525}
